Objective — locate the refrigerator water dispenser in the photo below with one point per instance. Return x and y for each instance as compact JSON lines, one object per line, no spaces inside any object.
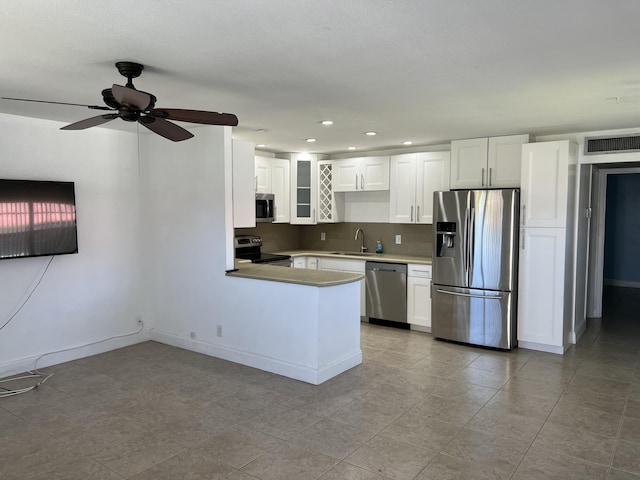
{"x":446,"y":239}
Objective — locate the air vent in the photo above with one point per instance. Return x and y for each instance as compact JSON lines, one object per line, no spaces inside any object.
{"x":620,"y":144}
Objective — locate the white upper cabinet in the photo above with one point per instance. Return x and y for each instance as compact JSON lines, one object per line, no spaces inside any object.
{"x":468,"y":162}
{"x":487,"y":162}
{"x":304,"y":189}
{"x":545,"y":182}
{"x":413,"y":179}
{"x":281,"y":189}
{"x":272,"y":175}
{"x":263,"y":174}
{"x":366,"y":174}
{"x":432,"y":175}
{"x":244,"y":196}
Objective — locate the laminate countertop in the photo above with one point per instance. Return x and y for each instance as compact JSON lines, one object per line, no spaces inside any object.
{"x":368,"y":256}
{"x":300,"y":276}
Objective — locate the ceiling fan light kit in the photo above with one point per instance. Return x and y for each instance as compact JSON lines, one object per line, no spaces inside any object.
{"x":132,"y":105}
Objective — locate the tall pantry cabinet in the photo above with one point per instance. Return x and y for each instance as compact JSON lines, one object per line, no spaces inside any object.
{"x":546,"y":258}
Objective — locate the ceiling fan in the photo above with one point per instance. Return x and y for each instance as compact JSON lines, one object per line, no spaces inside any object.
{"x":132,"y":105}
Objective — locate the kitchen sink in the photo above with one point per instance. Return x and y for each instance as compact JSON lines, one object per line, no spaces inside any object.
{"x":355,"y":254}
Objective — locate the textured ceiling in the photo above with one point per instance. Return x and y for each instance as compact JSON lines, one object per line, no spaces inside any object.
{"x":423,"y":70}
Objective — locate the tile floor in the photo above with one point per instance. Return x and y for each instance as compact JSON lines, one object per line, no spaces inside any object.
{"x":416,"y":409}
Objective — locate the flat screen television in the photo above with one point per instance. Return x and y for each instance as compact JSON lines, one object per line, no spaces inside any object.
{"x":37,"y":218}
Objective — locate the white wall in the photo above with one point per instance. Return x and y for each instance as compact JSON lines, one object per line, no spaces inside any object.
{"x":94,"y":294}
{"x":185,"y":240}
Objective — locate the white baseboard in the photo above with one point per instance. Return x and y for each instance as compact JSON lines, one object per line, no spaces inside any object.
{"x":298,"y":372}
{"x":575,"y":335}
{"x":541,"y":347}
{"x":621,"y":283}
{"x":71,"y":353}
{"x":420,"y":328}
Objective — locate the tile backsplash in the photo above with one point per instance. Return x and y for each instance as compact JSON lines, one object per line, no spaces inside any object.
{"x":416,"y":239}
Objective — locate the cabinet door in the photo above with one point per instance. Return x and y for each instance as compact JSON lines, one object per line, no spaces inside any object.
{"x":432,"y":175}
{"x":545,"y":183}
{"x":374,"y":174}
{"x":344,"y":265}
{"x":504,"y":160}
{"x":402,"y":188}
{"x":304,"y":183}
{"x":312,"y":263}
{"x":281,"y":189}
{"x":263,"y":175}
{"x":419,"y":301}
{"x":541,"y":286}
{"x":469,"y":163}
{"x":244,"y":197}
{"x":300,"y":262}
{"x":346,"y":175}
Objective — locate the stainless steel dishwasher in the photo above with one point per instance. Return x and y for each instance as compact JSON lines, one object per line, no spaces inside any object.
{"x":386,"y":291}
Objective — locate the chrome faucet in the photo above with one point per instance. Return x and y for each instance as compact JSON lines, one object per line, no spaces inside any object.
{"x":362,"y":247}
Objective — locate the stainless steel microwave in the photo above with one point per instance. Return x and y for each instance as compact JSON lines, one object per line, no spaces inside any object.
{"x":265,"y":208}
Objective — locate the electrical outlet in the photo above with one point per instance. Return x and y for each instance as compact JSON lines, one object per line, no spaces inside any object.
{"x":219,"y":330}
{"x":323,"y":236}
{"x":398,"y":239}
{"x":193,"y":335}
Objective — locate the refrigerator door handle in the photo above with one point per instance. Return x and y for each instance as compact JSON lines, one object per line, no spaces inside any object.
{"x":465,"y":247}
{"x":470,"y":295}
{"x":471,"y":242}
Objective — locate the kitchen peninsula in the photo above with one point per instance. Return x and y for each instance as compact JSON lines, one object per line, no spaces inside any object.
{"x":309,"y":327}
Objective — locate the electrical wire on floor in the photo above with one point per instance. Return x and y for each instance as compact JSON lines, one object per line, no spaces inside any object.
{"x":35,"y":373}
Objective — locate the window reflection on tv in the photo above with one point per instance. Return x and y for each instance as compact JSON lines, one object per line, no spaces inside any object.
{"x":37,"y":218}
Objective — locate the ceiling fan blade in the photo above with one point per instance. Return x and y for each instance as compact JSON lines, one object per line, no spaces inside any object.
{"x":130,"y":96}
{"x":195,"y":116}
{"x":93,"y":107}
{"x":166,"y":129}
{"x":91,"y":122}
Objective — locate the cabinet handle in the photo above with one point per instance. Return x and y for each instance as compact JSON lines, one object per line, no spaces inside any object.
{"x":522,"y":239}
{"x":418,"y":214}
{"x":490,"y":176}
{"x":361,"y":182}
{"x":483,"y":176}
{"x":314,"y":215}
{"x":255,"y":184}
{"x":412,"y":213}
{"x":524,"y":215}
{"x":356,"y":181}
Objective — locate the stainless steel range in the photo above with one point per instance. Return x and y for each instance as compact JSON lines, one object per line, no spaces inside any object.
{"x":249,"y":247}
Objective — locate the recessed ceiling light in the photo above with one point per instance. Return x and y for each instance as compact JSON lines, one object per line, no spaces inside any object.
{"x":310,"y":140}
{"x":327,"y":122}
{"x":408,"y":142}
{"x":261,"y":145}
{"x":261,"y":130}
{"x":371,"y":134}
{"x":351,"y":148}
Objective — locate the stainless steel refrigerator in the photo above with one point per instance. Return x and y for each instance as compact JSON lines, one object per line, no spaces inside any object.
{"x":475,"y":261}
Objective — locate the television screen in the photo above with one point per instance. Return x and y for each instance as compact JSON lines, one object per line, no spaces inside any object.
{"x":37,"y":218}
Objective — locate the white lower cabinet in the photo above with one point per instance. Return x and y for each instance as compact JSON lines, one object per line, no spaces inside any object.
{"x":419,"y":296}
{"x":300,"y":262}
{"x":541,"y":282}
{"x":310,"y":263}
{"x":347,"y":265}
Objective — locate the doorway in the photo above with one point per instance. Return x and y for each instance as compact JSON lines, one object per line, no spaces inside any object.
{"x":614,"y":254}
